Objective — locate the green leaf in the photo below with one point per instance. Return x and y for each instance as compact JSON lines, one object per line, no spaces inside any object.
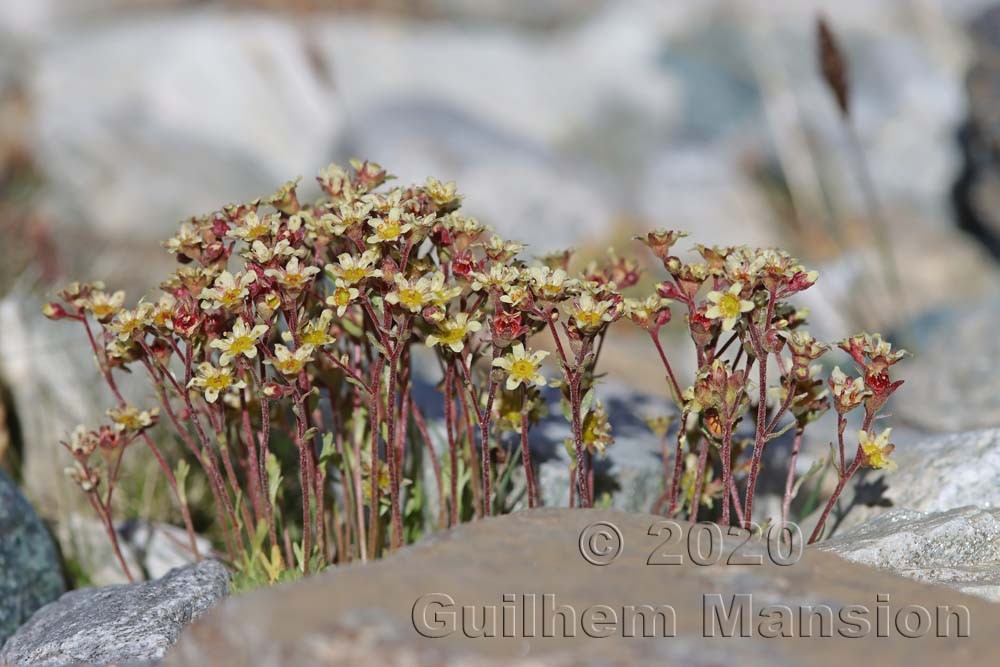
{"x":328,"y":450}
{"x":273,"y":477}
{"x":587,"y":403}
{"x":374,"y":341}
{"x":351,"y":328}
{"x":813,"y":470}
{"x":181,"y":473}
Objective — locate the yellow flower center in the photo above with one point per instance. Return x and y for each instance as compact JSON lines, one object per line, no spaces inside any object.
{"x":294,"y":280}
{"x":729,"y":305}
{"x":290,"y":366}
{"x":231,"y":297}
{"x":588,"y":318}
{"x":523,"y":370}
{"x":219,"y":382}
{"x":875,"y":456}
{"x":240,"y":345}
{"x":353,"y":275}
{"x":341,"y":296}
{"x":389,"y":231}
{"x":102,"y":309}
{"x":411,"y":298}
{"x":452,"y":334}
{"x":315,"y":337}
{"x":256,"y":231}
{"x":129,"y":420}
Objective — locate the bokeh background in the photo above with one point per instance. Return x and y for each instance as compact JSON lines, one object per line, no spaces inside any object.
{"x":564,"y":122}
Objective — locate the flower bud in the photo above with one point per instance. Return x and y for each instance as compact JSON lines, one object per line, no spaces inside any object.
{"x":54,"y":311}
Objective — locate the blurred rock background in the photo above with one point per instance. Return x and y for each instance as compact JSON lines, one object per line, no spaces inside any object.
{"x":564,"y":122}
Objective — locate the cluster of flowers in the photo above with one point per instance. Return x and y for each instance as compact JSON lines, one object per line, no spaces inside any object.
{"x":290,"y":327}
{"x":743,"y":330}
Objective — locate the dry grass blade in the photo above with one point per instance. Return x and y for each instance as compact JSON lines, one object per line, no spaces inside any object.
{"x":833,"y":65}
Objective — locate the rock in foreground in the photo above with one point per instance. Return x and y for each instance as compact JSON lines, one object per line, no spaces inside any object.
{"x":959,"y":548}
{"x":30,"y":574}
{"x":936,"y":474}
{"x":394,"y":612}
{"x":118,"y":624}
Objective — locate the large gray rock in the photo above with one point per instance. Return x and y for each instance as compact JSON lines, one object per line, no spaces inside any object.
{"x":30,"y":574}
{"x":123,"y":623}
{"x":369,"y":614}
{"x":952,"y":383}
{"x":959,"y":548}
{"x":175,"y":115}
{"x":935,"y":474}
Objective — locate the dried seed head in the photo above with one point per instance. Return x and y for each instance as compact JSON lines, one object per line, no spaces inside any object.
{"x":833,"y":66}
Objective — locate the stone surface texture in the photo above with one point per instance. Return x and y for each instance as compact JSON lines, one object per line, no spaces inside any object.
{"x":952,"y":383}
{"x":935,"y":473}
{"x":364,"y":614}
{"x":959,"y":548}
{"x":30,"y":574}
{"x":125,"y":623}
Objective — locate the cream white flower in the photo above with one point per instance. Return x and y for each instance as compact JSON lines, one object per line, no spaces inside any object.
{"x":728,"y":306}
{"x":452,"y":332}
{"x":643,"y":311}
{"x":442,"y":293}
{"x":162,"y":314}
{"x":184,"y":241}
{"x":848,"y":393}
{"x":317,"y":332}
{"x":500,"y":276}
{"x":522,"y":367}
{"x":497,"y":248}
{"x":288,"y":362}
{"x":128,"y":322}
{"x":131,"y":418}
{"x":228,"y":291}
{"x":412,"y":295}
{"x":294,"y":276}
{"x":334,"y":179}
{"x":241,"y":341}
{"x":352,"y":270}
{"x":348,"y":215}
{"x":550,"y":284}
{"x":342,"y":297}
{"x":262,"y":253}
{"x":591,"y":314}
{"x":104,"y":306}
{"x":441,"y":193}
{"x":515,"y":295}
{"x":389,"y":229}
{"x":252,"y":228}
{"x":214,"y":380}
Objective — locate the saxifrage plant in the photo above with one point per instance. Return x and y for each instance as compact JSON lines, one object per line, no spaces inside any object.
{"x":282,"y":352}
